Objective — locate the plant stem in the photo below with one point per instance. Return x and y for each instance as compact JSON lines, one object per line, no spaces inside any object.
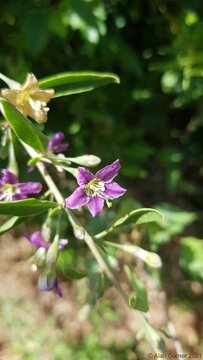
{"x":90,"y":243}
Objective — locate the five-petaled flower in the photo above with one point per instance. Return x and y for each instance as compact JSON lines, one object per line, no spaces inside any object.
{"x":47,"y":280}
{"x":12,"y":190}
{"x":29,"y":99}
{"x":93,"y":189}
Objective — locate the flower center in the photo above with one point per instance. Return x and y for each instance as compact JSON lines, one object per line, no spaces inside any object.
{"x":8,"y":190}
{"x":94,"y":187}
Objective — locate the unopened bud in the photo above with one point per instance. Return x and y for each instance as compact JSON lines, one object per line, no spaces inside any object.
{"x":150,"y":258}
{"x":47,"y":280}
{"x":38,"y":259}
{"x":79,"y":232}
{"x":86,"y":160}
{"x":52,"y":253}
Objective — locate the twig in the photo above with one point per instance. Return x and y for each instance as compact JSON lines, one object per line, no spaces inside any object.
{"x":89,"y":241}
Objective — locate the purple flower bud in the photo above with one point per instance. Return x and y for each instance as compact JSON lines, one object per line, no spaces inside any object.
{"x":48,"y":281}
{"x":55,"y":145}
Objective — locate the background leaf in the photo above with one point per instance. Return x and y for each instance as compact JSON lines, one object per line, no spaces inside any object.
{"x":75,"y":83}
{"x":10,"y":224}
{"x":23,"y":127}
{"x":191,"y":257}
{"x":28,"y":207}
{"x":72,"y":273}
{"x":138,"y":300}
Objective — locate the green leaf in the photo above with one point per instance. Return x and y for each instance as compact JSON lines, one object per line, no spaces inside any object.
{"x":10,"y":224}
{"x":191,"y":257}
{"x":72,"y":273}
{"x":138,"y":300}
{"x":134,"y":217}
{"x":140,"y":216}
{"x":67,"y":266}
{"x":23,"y":127}
{"x":28,"y":207}
{"x":74,"y":83}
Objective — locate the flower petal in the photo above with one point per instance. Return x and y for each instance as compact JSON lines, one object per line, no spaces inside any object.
{"x":58,"y":289}
{"x":77,"y":199}
{"x":84,"y":176}
{"x":29,"y":188}
{"x":108,"y":172}
{"x":47,"y":280}
{"x":18,"y":197}
{"x":36,"y":239}
{"x":113,"y":190}
{"x":95,"y":205}
{"x":62,"y":243}
{"x":60,"y":148}
{"x":55,"y":139}
{"x":8,"y":177}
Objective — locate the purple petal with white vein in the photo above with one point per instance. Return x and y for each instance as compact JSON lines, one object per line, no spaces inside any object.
{"x":84,"y":176}
{"x":77,"y":199}
{"x":108,"y":172}
{"x":29,"y":188}
{"x":113,"y":190}
{"x":8,"y":177}
{"x":95,"y":205}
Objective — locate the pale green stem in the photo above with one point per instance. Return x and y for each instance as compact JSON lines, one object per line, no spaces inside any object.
{"x":90,"y":243}
{"x":12,"y":165}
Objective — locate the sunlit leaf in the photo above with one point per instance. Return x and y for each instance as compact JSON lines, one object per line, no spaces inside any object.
{"x":134,"y":217}
{"x":10,"y":224}
{"x":74,"y":83}
{"x":28,"y":207}
{"x":191,"y":257}
{"x":23,"y":127}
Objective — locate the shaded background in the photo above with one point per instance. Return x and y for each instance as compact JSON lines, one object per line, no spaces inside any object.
{"x":152,"y":121}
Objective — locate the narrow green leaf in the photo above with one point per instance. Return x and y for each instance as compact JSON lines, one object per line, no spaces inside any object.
{"x":138,"y":300}
{"x":10,"y":224}
{"x":134,"y":217}
{"x":28,"y":207}
{"x":140,"y":216}
{"x":23,"y":127}
{"x":74,"y":83}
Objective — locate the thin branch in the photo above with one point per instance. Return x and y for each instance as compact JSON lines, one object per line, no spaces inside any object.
{"x":84,"y":235}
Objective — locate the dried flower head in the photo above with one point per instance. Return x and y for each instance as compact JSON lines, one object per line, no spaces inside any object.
{"x":29,"y":99}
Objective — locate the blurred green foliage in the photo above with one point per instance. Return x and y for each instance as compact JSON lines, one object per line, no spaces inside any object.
{"x":153,"y":120}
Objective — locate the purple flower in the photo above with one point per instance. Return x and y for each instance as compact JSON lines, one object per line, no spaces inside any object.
{"x":93,"y":189}
{"x":55,"y":143}
{"x":12,"y":190}
{"x":48,"y":281}
{"x":36,"y":239}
